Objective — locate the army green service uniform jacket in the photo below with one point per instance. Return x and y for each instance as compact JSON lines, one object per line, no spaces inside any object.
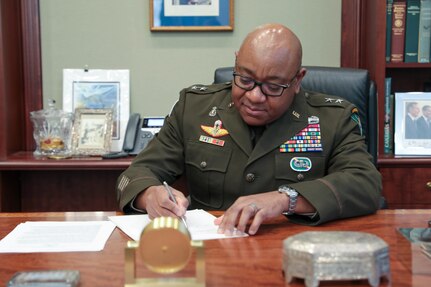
{"x":206,"y":139}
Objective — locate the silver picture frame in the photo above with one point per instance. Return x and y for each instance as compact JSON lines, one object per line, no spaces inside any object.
{"x":92,"y":132}
{"x":412,"y":130}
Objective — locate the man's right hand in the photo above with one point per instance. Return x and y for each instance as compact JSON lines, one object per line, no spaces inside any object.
{"x":155,"y":200}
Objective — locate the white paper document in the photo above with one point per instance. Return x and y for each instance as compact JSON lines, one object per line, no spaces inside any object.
{"x":201,"y":225}
{"x":57,"y":236}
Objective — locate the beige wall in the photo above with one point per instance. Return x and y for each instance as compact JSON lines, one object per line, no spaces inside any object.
{"x":114,"y":34}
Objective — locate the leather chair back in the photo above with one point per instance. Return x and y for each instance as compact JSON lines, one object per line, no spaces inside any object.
{"x":354,"y":85}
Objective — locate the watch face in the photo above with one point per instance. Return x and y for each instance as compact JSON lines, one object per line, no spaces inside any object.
{"x":292,"y":193}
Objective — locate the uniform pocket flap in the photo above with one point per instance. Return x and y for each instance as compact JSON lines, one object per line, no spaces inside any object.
{"x":206,"y":157}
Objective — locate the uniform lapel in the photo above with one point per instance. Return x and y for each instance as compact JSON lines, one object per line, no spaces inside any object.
{"x":238,"y":129}
{"x":292,"y":121}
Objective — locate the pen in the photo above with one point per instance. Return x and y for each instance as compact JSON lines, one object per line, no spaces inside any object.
{"x":172,"y":197}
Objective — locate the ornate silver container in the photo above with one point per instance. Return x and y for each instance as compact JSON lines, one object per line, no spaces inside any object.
{"x":335,"y":255}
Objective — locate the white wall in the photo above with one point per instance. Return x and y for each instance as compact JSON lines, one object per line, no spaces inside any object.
{"x":115,"y":34}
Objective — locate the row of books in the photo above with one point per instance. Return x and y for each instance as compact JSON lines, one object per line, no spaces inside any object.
{"x":408,"y":31}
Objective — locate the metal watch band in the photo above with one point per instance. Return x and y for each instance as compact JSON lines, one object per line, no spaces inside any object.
{"x":292,"y":194}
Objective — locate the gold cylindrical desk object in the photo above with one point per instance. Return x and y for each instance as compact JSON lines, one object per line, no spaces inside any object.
{"x":165,"y":245}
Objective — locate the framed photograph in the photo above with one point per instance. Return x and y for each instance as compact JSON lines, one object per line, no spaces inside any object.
{"x":412,"y":136}
{"x":92,"y":131}
{"x":100,"y":89}
{"x":191,"y":15}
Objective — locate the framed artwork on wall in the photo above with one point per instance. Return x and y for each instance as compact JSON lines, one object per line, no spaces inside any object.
{"x":92,"y":131}
{"x":191,"y":15}
{"x":412,"y":135}
{"x":100,"y":89}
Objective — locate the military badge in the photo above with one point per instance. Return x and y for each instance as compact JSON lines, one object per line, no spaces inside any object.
{"x":300,"y":164}
{"x":355,"y":117}
{"x":213,"y":112}
{"x":313,"y":120}
{"x":216,"y":131}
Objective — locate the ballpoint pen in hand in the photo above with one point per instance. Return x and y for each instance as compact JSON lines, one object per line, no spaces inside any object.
{"x":172,"y":197}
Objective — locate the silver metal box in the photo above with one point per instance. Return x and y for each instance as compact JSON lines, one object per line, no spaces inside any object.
{"x":335,"y":255}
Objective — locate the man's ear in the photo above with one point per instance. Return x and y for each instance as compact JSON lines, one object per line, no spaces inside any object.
{"x":299,"y":76}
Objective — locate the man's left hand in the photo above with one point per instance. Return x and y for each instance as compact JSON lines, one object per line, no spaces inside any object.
{"x":257,"y":207}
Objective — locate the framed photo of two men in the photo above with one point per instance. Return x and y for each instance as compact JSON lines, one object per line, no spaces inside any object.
{"x":412,"y":135}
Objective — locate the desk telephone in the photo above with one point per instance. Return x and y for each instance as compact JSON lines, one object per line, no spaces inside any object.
{"x":139,"y":132}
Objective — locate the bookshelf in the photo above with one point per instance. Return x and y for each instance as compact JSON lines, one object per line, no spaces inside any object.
{"x":406,"y":180}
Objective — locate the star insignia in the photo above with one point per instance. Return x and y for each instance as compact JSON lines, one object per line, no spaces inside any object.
{"x":339,"y":101}
{"x":329,"y":100}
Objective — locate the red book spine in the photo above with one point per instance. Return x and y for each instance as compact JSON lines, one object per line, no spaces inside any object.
{"x":398,"y":31}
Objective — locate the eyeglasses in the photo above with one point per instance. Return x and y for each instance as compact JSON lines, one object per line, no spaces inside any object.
{"x":268,"y":89}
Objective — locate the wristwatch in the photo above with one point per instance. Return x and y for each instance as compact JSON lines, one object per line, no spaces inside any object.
{"x":292,"y":194}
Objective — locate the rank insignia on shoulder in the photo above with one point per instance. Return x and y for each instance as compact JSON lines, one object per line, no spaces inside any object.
{"x":355,"y":117}
{"x":199,"y":88}
{"x":216,"y":131}
{"x":331,"y":100}
{"x":307,"y":140}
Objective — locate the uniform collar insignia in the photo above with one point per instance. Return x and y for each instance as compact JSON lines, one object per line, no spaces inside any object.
{"x":296,"y":114}
{"x":216,"y":130}
{"x":213,"y":112}
{"x":329,"y":100}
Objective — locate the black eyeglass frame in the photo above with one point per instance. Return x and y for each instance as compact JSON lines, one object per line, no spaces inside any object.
{"x":257,"y":83}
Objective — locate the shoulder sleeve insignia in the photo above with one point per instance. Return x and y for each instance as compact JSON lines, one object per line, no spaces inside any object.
{"x":355,"y":117}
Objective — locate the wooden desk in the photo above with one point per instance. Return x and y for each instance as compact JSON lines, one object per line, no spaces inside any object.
{"x":252,"y":261}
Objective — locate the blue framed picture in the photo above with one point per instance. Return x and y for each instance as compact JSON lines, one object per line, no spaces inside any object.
{"x":191,"y":15}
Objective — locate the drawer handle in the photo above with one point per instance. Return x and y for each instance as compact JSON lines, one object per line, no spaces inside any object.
{"x":429,"y":184}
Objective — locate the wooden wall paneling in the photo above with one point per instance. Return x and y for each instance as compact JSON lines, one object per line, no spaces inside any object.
{"x":32,"y":67}
{"x":350,"y":33}
{"x":11,"y":89}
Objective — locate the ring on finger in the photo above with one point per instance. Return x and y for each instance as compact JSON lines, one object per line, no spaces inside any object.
{"x":254,"y":207}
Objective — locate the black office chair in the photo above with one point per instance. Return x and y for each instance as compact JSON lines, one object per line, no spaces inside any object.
{"x":353,"y":85}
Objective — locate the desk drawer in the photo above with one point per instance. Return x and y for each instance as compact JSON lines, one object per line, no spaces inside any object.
{"x":407,"y":187}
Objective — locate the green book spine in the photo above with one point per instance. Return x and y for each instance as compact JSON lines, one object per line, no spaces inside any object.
{"x":388,"y":29}
{"x":424,"y":32}
{"x":412,"y":31}
{"x":387,"y":133}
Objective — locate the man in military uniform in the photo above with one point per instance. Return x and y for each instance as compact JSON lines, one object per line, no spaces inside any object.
{"x":257,"y":147}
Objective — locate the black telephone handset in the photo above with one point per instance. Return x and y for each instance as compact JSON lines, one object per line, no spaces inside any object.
{"x":138,"y":134}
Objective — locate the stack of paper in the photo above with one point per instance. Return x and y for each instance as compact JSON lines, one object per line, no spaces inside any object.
{"x":57,"y":236}
{"x":201,"y":225}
